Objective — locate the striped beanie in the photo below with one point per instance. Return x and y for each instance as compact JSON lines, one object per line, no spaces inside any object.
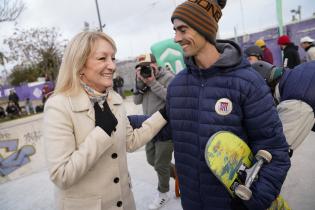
{"x":201,"y":15}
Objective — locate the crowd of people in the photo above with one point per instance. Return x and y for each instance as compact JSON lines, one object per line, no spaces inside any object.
{"x":291,"y":56}
{"x":292,"y":86}
{"x":87,"y":133}
{"x":13,"y":109}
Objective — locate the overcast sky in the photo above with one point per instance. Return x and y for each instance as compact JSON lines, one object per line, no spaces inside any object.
{"x":136,"y":25}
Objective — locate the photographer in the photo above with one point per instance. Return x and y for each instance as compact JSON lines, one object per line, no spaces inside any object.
{"x":151,"y":85}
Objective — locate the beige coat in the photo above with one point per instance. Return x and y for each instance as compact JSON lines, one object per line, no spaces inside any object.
{"x":88,"y":167}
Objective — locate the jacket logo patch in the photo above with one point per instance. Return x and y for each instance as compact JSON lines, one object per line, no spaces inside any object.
{"x":223,"y":106}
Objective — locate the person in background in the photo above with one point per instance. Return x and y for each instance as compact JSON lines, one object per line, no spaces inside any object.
{"x":15,"y":99}
{"x":86,"y":131}
{"x":253,"y":53}
{"x":295,"y":99}
{"x":29,"y":107}
{"x":2,"y":112}
{"x":307,"y":43}
{"x":291,"y":57}
{"x":151,"y":86}
{"x":218,"y":91}
{"x":118,"y":85}
{"x":46,"y":92}
{"x":12,"y":110}
{"x":267,"y":54}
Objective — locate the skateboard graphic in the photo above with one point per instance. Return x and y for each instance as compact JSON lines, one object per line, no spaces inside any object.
{"x":232,"y":162}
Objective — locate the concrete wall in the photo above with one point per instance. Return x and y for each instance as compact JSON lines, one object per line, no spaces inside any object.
{"x":21,"y":148}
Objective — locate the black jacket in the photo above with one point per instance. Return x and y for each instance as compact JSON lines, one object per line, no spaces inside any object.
{"x":291,"y":56}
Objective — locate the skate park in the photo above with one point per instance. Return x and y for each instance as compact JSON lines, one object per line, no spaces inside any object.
{"x":27,"y":186}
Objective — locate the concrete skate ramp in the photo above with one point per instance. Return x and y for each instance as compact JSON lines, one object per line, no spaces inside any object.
{"x":21,"y":144}
{"x":21,"y":148}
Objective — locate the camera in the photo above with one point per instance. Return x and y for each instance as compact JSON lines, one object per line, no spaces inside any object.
{"x":146,"y":71}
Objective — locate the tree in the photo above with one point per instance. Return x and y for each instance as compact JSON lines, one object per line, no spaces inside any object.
{"x":10,"y":10}
{"x":41,"y":48}
{"x":50,"y":63}
{"x":23,"y":74}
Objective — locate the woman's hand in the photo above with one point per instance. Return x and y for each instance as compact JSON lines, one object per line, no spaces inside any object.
{"x":105,"y":118}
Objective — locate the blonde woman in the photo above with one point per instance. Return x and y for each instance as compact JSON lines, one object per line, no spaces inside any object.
{"x":86,"y":130}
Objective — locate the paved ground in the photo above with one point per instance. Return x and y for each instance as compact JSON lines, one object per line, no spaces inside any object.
{"x":299,"y":187}
{"x":35,"y":192}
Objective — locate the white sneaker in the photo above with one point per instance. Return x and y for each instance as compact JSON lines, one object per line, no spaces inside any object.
{"x":159,"y":201}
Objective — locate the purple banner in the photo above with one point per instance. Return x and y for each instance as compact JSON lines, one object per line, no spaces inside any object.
{"x":31,"y":90}
{"x":295,"y":31}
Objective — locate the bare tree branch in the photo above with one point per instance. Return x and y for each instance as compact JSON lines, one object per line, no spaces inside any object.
{"x":10,"y":10}
{"x":36,"y":47}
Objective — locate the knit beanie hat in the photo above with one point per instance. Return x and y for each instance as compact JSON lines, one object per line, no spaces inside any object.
{"x":202,"y":15}
{"x":284,"y":40}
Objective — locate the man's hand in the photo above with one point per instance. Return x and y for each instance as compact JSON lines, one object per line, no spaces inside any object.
{"x":163,"y":113}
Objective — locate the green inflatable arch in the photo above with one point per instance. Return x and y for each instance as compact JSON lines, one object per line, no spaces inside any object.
{"x":169,"y":54}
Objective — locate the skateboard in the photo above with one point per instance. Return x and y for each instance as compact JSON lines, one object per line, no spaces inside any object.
{"x":232,"y":162}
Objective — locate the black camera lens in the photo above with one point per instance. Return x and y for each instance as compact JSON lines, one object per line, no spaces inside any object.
{"x":145,"y":71}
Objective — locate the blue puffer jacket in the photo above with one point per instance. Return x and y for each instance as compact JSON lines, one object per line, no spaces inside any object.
{"x":299,"y":84}
{"x":196,"y":112}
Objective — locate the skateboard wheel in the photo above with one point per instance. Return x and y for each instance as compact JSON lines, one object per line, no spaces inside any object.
{"x":264,"y":155}
{"x":243,"y":192}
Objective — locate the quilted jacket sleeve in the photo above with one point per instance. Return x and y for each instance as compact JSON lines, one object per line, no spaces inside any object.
{"x":265,"y":132}
{"x":137,"y":120}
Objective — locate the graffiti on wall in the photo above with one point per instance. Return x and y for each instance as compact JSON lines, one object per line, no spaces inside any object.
{"x":32,"y":137}
{"x":14,"y":157}
{"x":21,"y":148}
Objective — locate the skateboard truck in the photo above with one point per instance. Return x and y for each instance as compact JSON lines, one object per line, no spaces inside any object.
{"x":243,"y":191}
